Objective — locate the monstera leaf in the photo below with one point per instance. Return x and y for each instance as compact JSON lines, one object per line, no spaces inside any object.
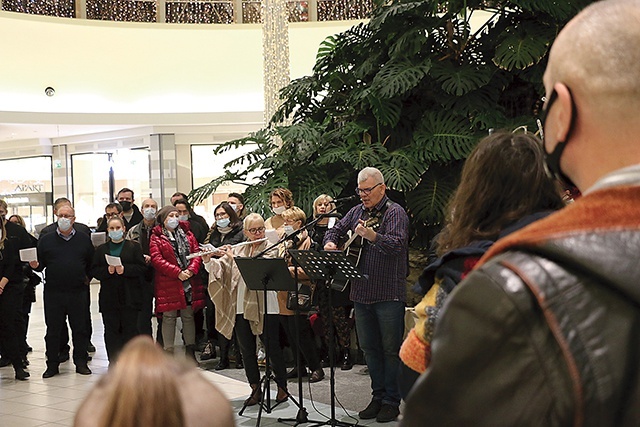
{"x":522,"y":47}
{"x":396,"y":78}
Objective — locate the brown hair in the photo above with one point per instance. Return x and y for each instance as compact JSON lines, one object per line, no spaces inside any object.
{"x":234,"y":219}
{"x":284,"y":194}
{"x":502,"y":181}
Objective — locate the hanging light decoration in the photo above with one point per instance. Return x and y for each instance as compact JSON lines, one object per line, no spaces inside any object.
{"x":275,"y":48}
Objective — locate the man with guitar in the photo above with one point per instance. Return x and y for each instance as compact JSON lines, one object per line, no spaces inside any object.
{"x":379,"y":300}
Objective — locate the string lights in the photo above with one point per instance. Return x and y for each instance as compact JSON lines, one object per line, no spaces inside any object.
{"x":189,"y":11}
{"x":275,"y":48}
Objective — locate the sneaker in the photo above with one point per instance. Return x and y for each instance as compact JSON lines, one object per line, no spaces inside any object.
{"x":387,"y":413}
{"x":371,"y":411}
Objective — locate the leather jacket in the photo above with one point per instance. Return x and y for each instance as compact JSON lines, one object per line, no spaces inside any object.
{"x":546,"y":331}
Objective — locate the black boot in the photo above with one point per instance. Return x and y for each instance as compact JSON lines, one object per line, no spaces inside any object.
{"x":21,"y":374}
{"x":346,"y":360}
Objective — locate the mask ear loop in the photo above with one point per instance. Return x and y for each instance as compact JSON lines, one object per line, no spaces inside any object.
{"x":552,"y":163}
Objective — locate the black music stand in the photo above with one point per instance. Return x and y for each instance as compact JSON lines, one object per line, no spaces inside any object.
{"x":265,"y":274}
{"x":328,"y":265}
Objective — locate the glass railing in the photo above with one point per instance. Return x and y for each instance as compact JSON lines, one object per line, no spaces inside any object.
{"x":189,"y":11}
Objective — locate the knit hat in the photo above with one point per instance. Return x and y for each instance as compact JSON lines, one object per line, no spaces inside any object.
{"x":164,"y":212}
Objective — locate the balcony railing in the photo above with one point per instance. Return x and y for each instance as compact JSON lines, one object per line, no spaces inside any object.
{"x":189,"y":11}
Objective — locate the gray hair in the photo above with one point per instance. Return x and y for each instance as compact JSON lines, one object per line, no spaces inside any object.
{"x":370,"y":172}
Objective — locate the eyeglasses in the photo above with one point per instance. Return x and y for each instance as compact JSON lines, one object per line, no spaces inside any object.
{"x":111,"y":215}
{"x":366,"y":191}
{"x":545,"y":110}
{"x":256,"y":230}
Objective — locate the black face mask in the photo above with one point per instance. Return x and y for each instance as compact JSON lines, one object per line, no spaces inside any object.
{"x":126,"y":206}
{"x":552,"y":160}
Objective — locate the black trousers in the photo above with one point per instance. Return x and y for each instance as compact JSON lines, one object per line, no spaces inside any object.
{"x":304,"y":338}
{"x":57,"y":307}
{"x":146,"y":310}
{"x":120,"y":325}
{"x":247,"y":342}
{"x":10,"y":333}
{"x":64,"y":336}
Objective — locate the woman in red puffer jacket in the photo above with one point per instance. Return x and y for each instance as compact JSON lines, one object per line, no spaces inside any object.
{"x":178,"y":288}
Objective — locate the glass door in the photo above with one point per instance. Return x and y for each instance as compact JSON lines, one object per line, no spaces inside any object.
{"x":97,"y":177}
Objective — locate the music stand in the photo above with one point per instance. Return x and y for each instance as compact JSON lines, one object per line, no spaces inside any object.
{"x":328,"y":265}
{"x":265,"y":274}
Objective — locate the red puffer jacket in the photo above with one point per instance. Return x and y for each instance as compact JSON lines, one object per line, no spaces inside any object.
{"x":168,"y":288}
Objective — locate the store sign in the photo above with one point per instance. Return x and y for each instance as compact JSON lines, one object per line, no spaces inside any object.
{"x":21,"y":187}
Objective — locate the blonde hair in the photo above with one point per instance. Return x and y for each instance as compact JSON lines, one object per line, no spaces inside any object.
{"x":294,"y":214}
{"x":322,"y":198}
{"x":148,"y":388}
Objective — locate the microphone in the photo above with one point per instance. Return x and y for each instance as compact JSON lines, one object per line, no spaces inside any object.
{"x":346,"y":199}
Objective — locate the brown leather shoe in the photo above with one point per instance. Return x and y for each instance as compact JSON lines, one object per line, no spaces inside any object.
{"x":282,"y":396}
{"x":317,"y":375}
{"x":255,"y":397}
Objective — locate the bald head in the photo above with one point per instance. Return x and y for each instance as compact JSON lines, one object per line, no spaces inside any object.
{"x":596,"y":55}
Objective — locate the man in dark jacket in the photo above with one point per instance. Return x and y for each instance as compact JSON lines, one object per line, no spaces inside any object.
{"x":130,"y":211}
{"x":67,"y":256}
{"x":545,"y":331}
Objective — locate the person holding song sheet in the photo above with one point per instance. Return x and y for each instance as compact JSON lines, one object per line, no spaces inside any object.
{"x":341,"y":305}
{"x":379,"y":300}
{"x":120,"y":295}
{"x":242,"y":308}
{"x":294,"y":218}
{"x":179,"y":290}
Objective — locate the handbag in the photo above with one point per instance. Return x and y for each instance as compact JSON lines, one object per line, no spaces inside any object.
{"x":303,"y":302}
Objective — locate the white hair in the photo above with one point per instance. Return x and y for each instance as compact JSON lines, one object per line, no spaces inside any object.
{"x":370,"y":172}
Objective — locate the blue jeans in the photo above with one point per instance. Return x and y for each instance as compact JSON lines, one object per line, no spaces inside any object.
{"x":380,"y":328}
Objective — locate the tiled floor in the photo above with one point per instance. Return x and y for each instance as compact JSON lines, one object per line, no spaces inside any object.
{"x":53,"y":402}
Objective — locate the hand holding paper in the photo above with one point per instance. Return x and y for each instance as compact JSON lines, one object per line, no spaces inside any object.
{"x":29,"y":254}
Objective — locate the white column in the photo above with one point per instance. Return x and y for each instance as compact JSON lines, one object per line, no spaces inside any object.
{"x":161,"y":11}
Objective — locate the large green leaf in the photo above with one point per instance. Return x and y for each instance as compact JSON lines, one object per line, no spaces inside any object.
{"x":459,"y":79}
{"x":522,"y":47}
{"x":387,"y":111}
{"x":396,"y":78}
{"x":442,"y":136}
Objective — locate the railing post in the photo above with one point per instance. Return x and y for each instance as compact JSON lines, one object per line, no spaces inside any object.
{"x":313,"y":10}
{"x":237,"y":9}
{"x":161,"y":11}
{"x":81,"y":9}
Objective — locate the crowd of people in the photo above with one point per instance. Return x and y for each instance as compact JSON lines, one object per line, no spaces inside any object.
{"x":530,"y":304}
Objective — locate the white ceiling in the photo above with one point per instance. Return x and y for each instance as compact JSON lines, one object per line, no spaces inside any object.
{"x":24,"y":131}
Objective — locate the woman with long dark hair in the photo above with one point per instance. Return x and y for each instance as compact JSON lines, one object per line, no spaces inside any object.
{"x":226,"y":230}
{"x":503,"y":188}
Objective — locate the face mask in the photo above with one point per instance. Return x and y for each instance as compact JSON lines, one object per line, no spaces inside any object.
{"x":234,"y":206}
{"x":222,"y":223}
{"x":183,"y":217}
{"x":149,"y":213}
{"x":116,"y":235}
{"x":126,"y":206}
{"x":172,"y":223}
{"x":288,"y":230}
{"x":279,"y":210}
{"x":64,"y":224}
{"x":552,"y":160}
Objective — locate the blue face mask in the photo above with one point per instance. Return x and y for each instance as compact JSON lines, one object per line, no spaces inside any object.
{"x":172,"y":223}
{"x":64,"y":224}
{"x":149,"y":213}
{"x":183,"y":217}
{"x":222,"y":223}
{"x":116,"y":235}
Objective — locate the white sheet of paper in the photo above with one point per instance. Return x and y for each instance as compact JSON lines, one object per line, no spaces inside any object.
{"x":332,"y":222}
{"x":113,"y":260}
{"x":98,"y":238}
{"x":30,"y":254}
{"x":272,"y":235}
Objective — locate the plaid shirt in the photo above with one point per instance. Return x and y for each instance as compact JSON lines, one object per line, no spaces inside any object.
{"x":385,"y":262}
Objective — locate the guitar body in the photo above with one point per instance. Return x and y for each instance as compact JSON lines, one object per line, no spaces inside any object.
{"x":353,"y":249}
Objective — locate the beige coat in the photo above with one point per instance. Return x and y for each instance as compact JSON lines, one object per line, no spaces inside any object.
{"x":224,"y":280}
